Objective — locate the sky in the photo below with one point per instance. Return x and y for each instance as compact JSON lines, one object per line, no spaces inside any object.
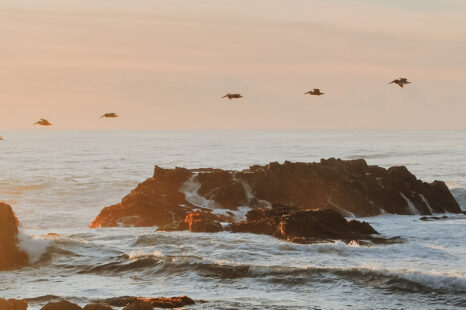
{"x":164,"y":64}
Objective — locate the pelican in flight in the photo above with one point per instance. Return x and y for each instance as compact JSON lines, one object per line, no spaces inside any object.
{"x":400,"y":82}
{"x":43,"y":122}
{"x":232,"y":96}
{"x":315,"y":92}
{"x":110,"y":115}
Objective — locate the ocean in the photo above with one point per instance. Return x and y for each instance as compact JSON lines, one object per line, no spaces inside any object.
{"x":58,"y":181}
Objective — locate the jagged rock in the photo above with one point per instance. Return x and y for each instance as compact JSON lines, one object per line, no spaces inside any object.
{"x":61,"y":305}
{"x":350,"y":187}
{"x":13,"y":304}
{"x":11,"y":257}
{"x":303,"y":226}
{"x":156,"y":201}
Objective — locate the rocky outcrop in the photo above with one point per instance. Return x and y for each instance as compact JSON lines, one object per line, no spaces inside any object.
{"x":132,"y":302}
{"x":61,"y":305}
{"x":156,"y":201}
{"x":349,"y":187}
{"x":303,"y":226}
{"x":11,"y":257}
{"x":13,"y":304}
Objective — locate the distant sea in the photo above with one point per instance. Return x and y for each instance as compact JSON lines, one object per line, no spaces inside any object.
{"x":58,"y":181}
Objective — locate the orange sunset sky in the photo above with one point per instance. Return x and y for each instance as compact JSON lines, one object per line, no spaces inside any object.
{"x":165,"y":64}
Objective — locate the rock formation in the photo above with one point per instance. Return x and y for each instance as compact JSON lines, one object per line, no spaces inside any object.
{"x":13,"y":304}
{"x":132,"y":302}
{"x":61,"y":305}
{"x":11,"y":257}
{"x":349,"y":187}
{"x":303,"y":226}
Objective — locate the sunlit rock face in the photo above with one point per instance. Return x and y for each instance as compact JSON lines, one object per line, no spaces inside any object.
{"x":13,"y":304}
{"x":11,"y":257}
{"x":349,"y":187}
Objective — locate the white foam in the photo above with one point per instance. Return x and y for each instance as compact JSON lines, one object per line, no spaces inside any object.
{"x":346,"y":212}
{"x":239,"y":213}
{"x":411,"y":206}
{"x":35,"y":247}
{"x":134,"y":255}
{"x":190,"y":189}
{"x":426,"y":202}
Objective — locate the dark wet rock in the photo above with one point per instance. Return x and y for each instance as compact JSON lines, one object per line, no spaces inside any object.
{"x":158,"y":302}
{"x":433,"y":218}
{"x":303,"y":226}
{"x":11,"y":257}
{"x":61,"y":305}
{"x":13,"y":304}
{"x":203,"y":222}
{"x":349,"y":187}
{"x":169,"y":302}
{"x":138,"y":305}
{"x":97,"y":306}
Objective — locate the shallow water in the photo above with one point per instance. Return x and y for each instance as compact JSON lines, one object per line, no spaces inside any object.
{"x":58,"y":181}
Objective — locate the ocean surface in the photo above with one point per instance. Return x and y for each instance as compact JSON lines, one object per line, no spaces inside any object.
{"x":58,"y":181}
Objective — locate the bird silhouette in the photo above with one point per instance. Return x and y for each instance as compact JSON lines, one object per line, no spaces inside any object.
{"x":232,"y":96}
{"x":314,"y":92}
{"x":400,"y":82}
{"x":110,"y":115}
{"x":1,"y":138}
{"x":43,"y":122}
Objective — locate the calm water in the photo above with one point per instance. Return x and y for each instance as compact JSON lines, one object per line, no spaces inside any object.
{"x":58,"y":181}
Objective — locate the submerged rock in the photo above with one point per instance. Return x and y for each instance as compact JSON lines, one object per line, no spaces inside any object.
{"x":11,"y":257}
{"x":349,"y":187}
{"x":433,"y":218}
{"x":303,"y":226}
{"x":13,"y":304}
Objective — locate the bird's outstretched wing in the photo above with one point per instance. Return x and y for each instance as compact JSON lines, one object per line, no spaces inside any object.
{"x":225,"y":96}
{"x":394,"y":81}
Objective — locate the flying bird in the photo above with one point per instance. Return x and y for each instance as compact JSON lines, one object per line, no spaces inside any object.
{"x":43,"y":122}
{"x":232,"y":96}
{"x":400,"y":82}
{"x":110,"y":115}
{"x":314,"y":92}
{"x":1,"y":138}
